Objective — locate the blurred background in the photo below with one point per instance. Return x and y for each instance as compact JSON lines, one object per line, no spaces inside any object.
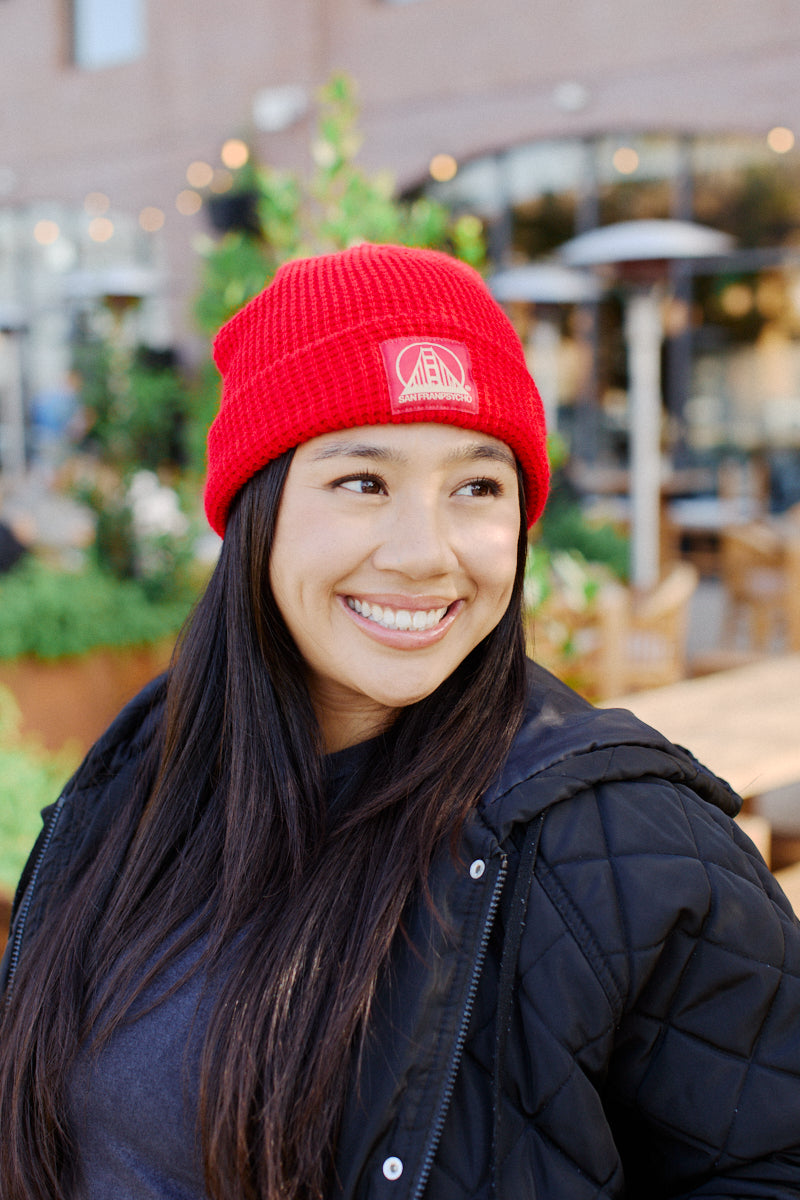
{"x":626,"y":174}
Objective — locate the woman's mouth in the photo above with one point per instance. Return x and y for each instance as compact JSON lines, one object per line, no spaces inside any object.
{"x":403,"y":619}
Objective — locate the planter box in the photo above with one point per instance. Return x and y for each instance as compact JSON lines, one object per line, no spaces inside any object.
{"x":74,"y":699}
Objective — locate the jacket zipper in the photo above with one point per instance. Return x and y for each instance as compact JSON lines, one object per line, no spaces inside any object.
{"x":22,"y":918}
{"x":455,"y":1061}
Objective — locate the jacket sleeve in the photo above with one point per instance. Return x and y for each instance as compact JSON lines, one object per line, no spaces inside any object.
{"x":696,"y":953}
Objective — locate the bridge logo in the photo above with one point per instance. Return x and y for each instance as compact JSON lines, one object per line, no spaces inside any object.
{"x":429,"y":374}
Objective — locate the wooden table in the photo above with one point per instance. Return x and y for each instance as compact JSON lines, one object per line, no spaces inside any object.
{"x":744,"y":724}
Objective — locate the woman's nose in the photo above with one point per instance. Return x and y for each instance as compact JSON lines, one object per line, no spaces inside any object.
{"x":417,"y":542}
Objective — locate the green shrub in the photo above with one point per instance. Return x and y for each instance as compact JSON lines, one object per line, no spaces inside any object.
{"x":30,"y":778}
{"x":137,"y":404}
{"x":51,"y":614}
{"x":565,"y":527}
{"x":142,"y":533}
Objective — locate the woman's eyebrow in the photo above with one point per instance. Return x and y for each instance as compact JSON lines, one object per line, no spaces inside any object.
{"x":470,"y":452}
{"x":357,"y":450}
{"x":478,"y":451}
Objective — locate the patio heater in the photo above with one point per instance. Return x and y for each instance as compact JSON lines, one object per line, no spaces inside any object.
{"x":547,"y":285}
{"x":120,"y":290}
{"x":117,"y":288}
{"x":636,"y":255}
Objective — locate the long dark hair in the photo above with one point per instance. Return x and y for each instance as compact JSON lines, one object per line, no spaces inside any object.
{"x":228,"y":826}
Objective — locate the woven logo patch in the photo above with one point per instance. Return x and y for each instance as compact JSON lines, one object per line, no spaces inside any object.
{"x":428,"y":374}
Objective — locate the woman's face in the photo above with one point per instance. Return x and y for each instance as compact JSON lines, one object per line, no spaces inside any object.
{"x":394,"y":556}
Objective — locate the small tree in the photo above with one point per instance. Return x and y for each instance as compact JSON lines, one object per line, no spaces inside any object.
{"x":337,"y":205}
{"x":289,"y":215}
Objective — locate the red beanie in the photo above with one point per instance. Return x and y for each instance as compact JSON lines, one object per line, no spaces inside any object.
{"x":373,"y":335}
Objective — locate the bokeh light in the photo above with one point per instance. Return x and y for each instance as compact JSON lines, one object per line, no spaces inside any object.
{"x":199,"y":174}
{"x":780,"y":139}
{"x":222,"y":181}
{"x":443,"y":167}
{"x":235,"y":153}
{"x":736,"y":300}
{"x":625,"y":160}
{"x":101,"y":229}
{"x":188,"y":202}
{"x":151,"y":219}
{"x":46,"y":232}
{"x":96,"y":204}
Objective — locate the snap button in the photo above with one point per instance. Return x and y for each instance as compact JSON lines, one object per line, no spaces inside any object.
{"x":477,"y":868}
{"x":393,"y":1168}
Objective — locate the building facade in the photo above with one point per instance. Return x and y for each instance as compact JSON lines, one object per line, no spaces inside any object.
{"x":117,"y":120}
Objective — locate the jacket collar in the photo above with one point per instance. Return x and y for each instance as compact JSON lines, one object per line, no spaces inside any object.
{"x":566,"y":745}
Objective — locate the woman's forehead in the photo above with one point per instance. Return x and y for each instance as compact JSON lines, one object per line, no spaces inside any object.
{"x":402,"y":443}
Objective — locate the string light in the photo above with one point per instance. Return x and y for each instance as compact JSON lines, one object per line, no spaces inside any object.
{"x":222,"y":181}
{"x":96,"y":204}
{"x":199,"y":174}
{"x":188,"y":202}
{"x":101,"y":229}
{"x":443,"y":167}
{"x":780,"y":139}
{"x":235,"y":153}
{"x":46,"y":232}
{"x":625,"y":160}
{"x":151,"y":219}
{"x":736,"y":300}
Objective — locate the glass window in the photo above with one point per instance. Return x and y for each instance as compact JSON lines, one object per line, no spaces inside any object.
{"x":731,"y":363}
{"x":105,"y":35}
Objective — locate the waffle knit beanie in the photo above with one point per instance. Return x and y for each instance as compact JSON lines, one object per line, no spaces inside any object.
{"x":373,"y":335}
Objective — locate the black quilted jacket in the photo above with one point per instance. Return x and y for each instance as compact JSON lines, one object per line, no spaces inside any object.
{"x":610,"y":1006}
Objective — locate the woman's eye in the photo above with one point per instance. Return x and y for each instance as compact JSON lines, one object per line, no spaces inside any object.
{"x":365,"y":485}
{"x":480,"y":488}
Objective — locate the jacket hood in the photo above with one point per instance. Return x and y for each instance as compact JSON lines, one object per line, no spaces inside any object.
{"x":566,"y":745}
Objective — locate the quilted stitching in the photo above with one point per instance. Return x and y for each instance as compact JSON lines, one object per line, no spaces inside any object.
{"x":656,"y":1019}
{"x":656,"y":1026}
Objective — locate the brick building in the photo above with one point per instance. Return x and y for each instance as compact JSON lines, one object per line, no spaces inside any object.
{"x":104,"y":107}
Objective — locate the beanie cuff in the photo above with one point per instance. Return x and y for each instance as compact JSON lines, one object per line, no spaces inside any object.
{"x":276,"y":409}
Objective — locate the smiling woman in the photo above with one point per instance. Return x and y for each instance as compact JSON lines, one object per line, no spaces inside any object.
{"x":355,"y":902}
{"x":392,"y":561}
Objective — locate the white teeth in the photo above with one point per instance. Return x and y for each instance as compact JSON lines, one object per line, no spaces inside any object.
{"x":402,"y":619}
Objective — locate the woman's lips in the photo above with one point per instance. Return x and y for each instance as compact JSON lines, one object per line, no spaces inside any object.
{"x":398,"y":618}
{"x":407,"y":625}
